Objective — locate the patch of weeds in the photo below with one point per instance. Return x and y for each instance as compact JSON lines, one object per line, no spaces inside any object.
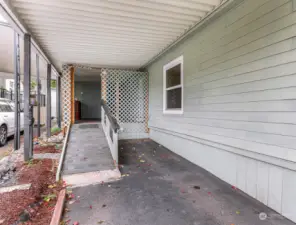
{"x":63,"y":222}
{"x":55,"y":130}
{"x":49,"y":197}
{"x":32,"y":162}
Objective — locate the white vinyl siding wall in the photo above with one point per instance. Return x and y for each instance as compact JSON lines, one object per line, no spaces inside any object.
{"x":239,"y":119}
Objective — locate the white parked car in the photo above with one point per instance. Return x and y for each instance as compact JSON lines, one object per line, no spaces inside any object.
{"x":7,"y":120}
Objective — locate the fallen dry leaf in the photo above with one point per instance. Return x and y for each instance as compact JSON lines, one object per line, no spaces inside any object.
{"x":67,"y":210}
{"x":52,"y":186}
{"x":70,"y":196}
{"x":125,"y":175}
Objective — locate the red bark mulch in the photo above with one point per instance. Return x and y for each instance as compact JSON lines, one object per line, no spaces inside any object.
{"x":46,"y":149}
{"x":41,"y":174}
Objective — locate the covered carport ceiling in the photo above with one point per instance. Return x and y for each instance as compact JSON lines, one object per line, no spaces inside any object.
{"x":7,"y":55}
{"x":121,"y":33}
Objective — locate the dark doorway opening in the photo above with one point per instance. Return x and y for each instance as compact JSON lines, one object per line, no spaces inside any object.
{"x":87,"y":95}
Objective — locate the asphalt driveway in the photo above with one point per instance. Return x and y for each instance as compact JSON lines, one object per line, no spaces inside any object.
{"x":160,"y":187}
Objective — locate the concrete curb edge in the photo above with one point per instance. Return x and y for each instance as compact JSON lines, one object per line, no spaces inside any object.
{"x":59,"y":207}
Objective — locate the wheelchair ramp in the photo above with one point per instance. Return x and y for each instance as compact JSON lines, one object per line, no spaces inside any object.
{"x":88,"y":159}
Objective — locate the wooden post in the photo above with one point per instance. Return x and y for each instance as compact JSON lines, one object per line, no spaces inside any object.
{"x":72,"y":96}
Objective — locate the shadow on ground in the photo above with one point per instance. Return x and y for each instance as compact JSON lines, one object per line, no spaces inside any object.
{"x":160,"y":187}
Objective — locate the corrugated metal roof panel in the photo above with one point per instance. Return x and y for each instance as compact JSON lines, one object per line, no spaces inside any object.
{"x":109,"y":32}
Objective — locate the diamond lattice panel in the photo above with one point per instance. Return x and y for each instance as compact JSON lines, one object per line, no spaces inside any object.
{"x":66,"y":95}
{"x":126,"y":94}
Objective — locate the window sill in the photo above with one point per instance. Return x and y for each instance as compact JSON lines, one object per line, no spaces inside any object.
{"x":173,"y":112}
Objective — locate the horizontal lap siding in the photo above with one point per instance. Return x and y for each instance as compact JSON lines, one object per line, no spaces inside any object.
{"x":247,"y":93}
{"x":239,"y":99}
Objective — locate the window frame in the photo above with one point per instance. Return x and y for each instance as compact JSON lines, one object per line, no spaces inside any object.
{"x":173,"y":63}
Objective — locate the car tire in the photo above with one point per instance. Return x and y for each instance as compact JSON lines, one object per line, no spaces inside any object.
{"x":3,"y":135}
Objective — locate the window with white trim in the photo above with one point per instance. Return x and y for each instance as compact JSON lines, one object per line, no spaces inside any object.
{"x":173,"y":87}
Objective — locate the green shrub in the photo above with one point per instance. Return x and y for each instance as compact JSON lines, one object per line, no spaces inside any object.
{"x":55,"y":130}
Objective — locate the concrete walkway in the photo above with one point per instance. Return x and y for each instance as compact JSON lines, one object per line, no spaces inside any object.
{"x":161,"y":188}
{"x":87,"y":150}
